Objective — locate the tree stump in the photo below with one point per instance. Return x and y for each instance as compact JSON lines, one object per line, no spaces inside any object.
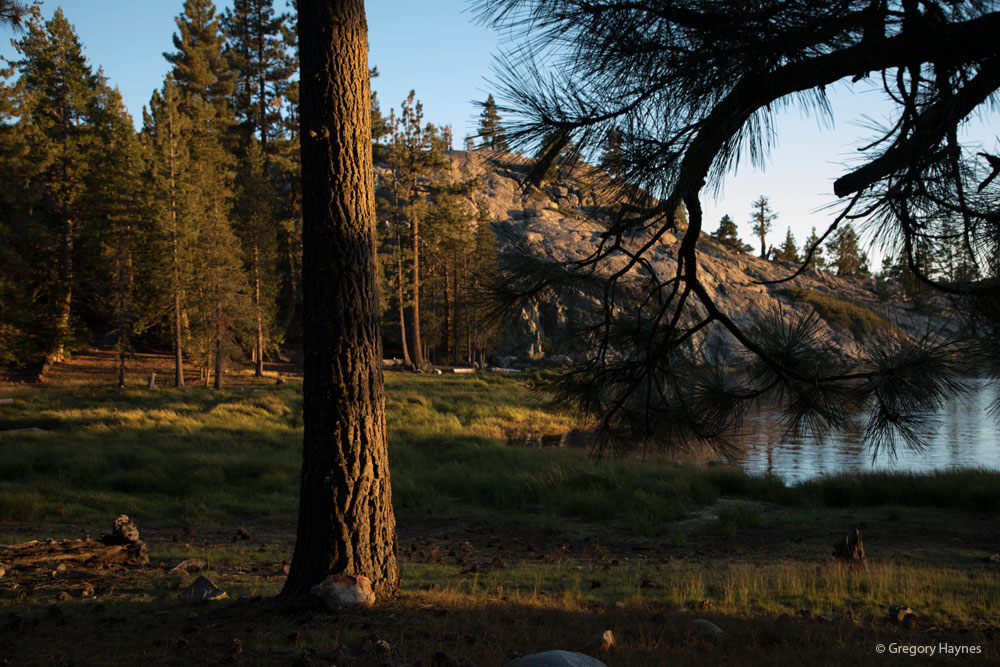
{"x":851,"y":548}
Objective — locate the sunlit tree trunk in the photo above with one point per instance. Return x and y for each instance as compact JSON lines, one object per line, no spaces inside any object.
{"x":346,"y":522}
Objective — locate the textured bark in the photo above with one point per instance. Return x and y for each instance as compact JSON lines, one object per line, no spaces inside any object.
{"x":346,"y":524}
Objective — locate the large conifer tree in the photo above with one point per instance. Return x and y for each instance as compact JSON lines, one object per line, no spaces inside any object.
{"x":217,"y":300}
{"x":346,"y":522}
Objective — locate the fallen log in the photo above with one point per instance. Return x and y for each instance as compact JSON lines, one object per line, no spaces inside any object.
{"x":121,"y":546}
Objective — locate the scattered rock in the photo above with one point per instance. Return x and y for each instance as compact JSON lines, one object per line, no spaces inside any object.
{"x":898,"y":613}
{"x":556,"y":659}
{"x":188,"y":565}
{"x":705,"y":628}
{"x":203,"y":590}
{"x":345,"y":590}
{"x":601,"y":643}
{"x":851,"y":548}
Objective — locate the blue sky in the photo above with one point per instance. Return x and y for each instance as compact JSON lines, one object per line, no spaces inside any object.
{"x":436,"y":49}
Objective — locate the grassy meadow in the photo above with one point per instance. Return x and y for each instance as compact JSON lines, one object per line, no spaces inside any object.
{"x":504,"y":549}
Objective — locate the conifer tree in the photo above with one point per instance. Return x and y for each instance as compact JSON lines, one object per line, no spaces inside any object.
{"x":817,"y":261}
{"x":217,"y":301}
{"x":789,"y":250}
{"x":52,"y":157}
{"x":761,"y":220}
{"x":846,"y":255}
{"x":491,"y":132}
{"x":728,"y":235}
{"x":167,"y":163}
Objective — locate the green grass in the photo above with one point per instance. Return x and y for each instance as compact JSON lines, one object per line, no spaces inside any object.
{"x":175,"y":455}
{"x":861,"y":320}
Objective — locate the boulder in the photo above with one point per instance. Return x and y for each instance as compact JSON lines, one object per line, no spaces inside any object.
{"x":203,"y":590}
{"x":556,"y":659}
{"x":601,"y":643}
{"x":705,"y":628}
{"x":345,"y":590}
{"x":123,"y":531}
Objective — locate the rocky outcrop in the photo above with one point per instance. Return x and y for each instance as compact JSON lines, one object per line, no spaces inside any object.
{"x":562,"y":222}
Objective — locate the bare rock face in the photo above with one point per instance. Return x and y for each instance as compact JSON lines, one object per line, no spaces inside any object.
{"x":345,"y":590}
{"x":561,"y":222}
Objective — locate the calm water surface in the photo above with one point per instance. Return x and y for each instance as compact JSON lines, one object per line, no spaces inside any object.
{"x":961,"y":434}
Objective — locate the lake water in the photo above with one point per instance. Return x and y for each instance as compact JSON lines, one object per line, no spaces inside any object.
{"x":961,"y":434}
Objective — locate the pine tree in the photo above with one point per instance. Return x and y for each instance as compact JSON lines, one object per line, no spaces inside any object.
{"x":728,"y":235}
{"x":163,"y":128}
{"x":761,"y":220}
{"x":53,"y":156}
{"x":413,"y":157}
{"x":262,"y":67}
{"x":346,"y":523}
{"x":216,"y":303}
{"x":817,"y":261}
{"x":789,"y":251}
{"x":846,"y":255}
{"x":491,"y":132}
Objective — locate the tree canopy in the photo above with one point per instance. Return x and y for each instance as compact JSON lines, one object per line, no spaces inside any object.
{"x":690,"y":87}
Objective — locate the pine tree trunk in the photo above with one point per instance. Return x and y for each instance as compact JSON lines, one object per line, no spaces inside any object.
{"x":258,"y":312}
{"x":218,"y":350}
{"x":65,"y":300}
{"x":416,"y":346}
{"x":346,"y":523}
{"x":175,"y":256}
{"x":402,"y":301}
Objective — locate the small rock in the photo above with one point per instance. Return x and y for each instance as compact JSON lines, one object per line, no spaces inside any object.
{"x":87,"y":590}
{"x":189,"y":565}
{"x":63,"y":596}
{"x":995,"y":558}
{"x":2,"y":572}
{"x":345,"y":590}
{"x":192,"y":616}
{"x":826,"y":618}
{"x":705,"y":628}
{"x":556,"y":659}
{"x":601,"y":643}
{"x":649,"y":583}
{"x":899,"y":612}
{"x":241,"y":534}
{"x":203,"y":590}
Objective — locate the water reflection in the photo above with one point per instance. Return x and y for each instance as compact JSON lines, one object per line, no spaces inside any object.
{"x":960,"y":434}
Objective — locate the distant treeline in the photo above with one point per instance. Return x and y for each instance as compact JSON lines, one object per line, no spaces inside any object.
{"x":186,"y":235}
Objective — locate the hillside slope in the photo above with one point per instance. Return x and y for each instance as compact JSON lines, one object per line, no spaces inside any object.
{"x":561,"y":222}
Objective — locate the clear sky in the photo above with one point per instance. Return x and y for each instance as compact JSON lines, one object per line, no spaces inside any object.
{"x":435,"y":48}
